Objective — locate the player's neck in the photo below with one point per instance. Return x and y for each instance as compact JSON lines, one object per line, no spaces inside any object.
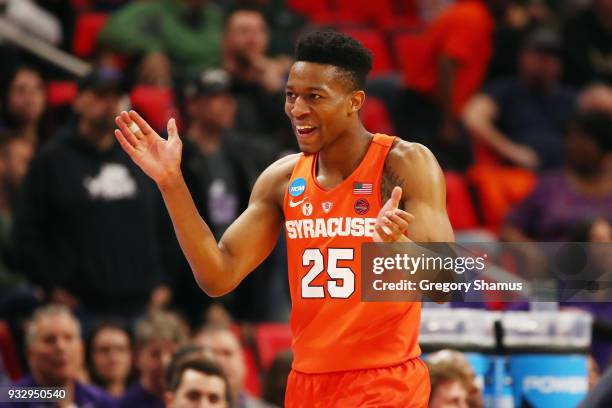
{"x":346,"y":152}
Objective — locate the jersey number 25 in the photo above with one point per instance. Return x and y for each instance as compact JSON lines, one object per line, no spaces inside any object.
{"x":313,"y":258}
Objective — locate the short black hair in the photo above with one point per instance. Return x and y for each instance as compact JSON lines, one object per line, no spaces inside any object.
{"x":175,"y":372}
{"x":597,"y":125}
{"x":339,"y":50}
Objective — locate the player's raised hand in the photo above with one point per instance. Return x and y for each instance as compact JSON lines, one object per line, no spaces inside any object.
{"x":159,"y":158}
{"x":392,"y":222}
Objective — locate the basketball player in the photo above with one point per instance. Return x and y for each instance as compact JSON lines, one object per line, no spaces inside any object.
{"x":330,"y":199}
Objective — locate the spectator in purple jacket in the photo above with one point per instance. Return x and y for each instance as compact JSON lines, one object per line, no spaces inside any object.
{"x":110,"y":359}
{"x":564,"y":199}
{"x":55,"y":355}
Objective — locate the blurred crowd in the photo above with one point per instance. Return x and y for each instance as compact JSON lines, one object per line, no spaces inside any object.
{"x":161,"y":362}
{"x":514,"y":97}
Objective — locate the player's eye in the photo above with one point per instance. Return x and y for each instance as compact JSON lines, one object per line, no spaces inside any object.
{"x":315,"y":96}
{"x":290,"y":95}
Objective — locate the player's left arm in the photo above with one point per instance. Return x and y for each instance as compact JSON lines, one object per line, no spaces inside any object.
{"x":414,"y":169}
{"x":415,"y":185}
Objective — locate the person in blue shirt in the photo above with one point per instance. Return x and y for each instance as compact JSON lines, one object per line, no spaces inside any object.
{"x":523,"y":118}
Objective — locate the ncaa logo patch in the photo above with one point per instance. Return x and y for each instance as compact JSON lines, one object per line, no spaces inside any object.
{"x":307,"y":208}
{"x":297,"y":187}
{"x":362,"y":206}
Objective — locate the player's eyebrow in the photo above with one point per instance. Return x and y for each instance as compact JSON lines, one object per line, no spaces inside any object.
{"x":310,"y":88}
{"x":317,"y":88}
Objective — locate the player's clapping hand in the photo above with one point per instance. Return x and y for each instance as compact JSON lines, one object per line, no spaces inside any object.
{"x":392,"y":222}
{"x":159,"y":158}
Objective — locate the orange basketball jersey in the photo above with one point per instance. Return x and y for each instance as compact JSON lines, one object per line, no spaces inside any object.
{"x":332,"y":329}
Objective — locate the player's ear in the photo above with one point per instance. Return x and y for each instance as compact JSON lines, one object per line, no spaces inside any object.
{"x":356,"y":100}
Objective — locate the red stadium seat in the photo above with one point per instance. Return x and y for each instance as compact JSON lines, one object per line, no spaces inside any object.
{"x":155,"y":104}
{"x":78,"y":5}
{"x":385,"y":14}
{"x":483,"y":154}
{"x":402,"y":15}
{"x":252,"y":383}
{"x":382,"y":14}
{"x":375,"y":42}
{"x":271,"y":338}
{"x":402,"y":23}
{"x":459,"y":204}
{"x":498,"y":189}
{"x":410,"y":51}
{"x":316,"y":10}
{"x":86,"y":30}
{"x":61,"y":93}
{"x":8,"y":353}
{"x":361,"y":11}
{"x":404,"y":8}
{"x":375,"y":117}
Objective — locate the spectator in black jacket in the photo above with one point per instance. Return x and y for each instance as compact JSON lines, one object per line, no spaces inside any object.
{"x":85,"y":210}
{"x":220,"y":166}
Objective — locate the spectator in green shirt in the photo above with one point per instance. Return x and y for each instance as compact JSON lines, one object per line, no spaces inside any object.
{"x":172,"y":37}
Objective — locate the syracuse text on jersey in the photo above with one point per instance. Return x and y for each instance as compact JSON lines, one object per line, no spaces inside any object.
{"x":330,"y":227}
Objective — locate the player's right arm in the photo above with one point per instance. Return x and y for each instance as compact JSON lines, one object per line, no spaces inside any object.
{"x":217,"y":267}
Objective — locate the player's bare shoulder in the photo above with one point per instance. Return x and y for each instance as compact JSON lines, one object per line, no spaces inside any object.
{"x":273,"y":181}
{"x":410,"y":166}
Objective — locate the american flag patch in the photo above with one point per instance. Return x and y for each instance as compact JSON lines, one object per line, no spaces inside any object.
{"x":362,"y":188}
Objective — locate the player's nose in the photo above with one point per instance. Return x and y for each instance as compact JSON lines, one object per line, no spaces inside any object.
{"x":299,"y":108}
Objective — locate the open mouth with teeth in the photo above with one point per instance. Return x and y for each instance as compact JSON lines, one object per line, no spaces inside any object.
{"x":305,"y":129}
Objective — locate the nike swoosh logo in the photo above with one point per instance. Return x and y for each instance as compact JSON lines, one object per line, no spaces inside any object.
{"x":292,"y":204}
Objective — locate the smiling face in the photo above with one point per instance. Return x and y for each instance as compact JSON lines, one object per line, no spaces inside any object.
{"x":320,"y":104}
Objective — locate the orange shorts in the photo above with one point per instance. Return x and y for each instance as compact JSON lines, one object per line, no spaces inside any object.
{"x":405,"y":385}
